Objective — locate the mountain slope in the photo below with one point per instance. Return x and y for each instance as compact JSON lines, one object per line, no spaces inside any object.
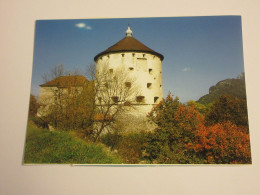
{"x":234,"y":87}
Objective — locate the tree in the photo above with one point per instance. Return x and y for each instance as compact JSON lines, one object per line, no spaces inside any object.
{"x":66,"y":100}
{"x":203,"y":109}
{"x":177,"y":124}
{"x":222,"y":143}
{"x":33,"y":107}
{"x":73,"y":102}
{"x":228,"y":108}
{"x":182,"y":137}
{"x":114,"y":94}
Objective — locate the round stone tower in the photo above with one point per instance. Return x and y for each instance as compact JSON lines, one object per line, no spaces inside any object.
{"x":142,"y":63}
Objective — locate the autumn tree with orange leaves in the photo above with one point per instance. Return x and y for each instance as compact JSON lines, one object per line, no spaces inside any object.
{"x":183,"y":138}
{"x":177,"y":124}
{"x":222,"y":143}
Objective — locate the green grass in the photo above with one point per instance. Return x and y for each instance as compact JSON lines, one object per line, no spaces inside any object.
{"x":43,"y":146}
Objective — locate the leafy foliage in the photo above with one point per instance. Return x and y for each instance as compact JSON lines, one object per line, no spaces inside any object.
{"x":176,"y":126}
{"x":228,"y":108}
{"x":33,"y":106}
{"x":182,"y":137}
{"x":128,"y":145}
{"x":222,"y":143}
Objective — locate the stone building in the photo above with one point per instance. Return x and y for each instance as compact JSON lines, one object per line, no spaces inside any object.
{"x":141,"y":63}
{"x":58,"y":89}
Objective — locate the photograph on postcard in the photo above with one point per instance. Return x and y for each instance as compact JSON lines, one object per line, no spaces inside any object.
{"x":167,"y":90}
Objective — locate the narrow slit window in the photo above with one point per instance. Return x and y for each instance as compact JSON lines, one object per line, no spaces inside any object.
{"x":150,"y":70}
{"x":115,"y":99}
{"x":127,"y":103}
{"x":156,"y":99}
{"x":149,"y":85}
{"x":128,"y":84}
{"x":140,"y":99}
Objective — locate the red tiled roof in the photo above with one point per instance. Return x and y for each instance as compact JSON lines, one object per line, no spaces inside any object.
{"x":66,"y":81}
{"x":128,"y":44}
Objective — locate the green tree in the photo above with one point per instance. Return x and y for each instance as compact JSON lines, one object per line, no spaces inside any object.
{"x":228,"y":108}
{"x":177,"y":124}
{"x":66,"y":100}
{"x":33,"y":107}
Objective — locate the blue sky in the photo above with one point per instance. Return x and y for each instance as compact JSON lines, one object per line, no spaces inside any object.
{"x":198,"y":51}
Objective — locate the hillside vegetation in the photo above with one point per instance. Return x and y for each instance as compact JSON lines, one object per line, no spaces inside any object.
{"x":44,"y":146}
{"x":234,"y":87}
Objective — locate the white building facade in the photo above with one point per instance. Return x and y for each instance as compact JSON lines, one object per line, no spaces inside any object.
{"x":141,"y":63}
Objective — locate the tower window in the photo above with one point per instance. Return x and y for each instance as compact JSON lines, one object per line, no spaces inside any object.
{"x":160,"y":86}
{"x":115,"y":99}
{"x":108,"y":56}
{"x":150,"y":70}
{"x":143,"y":55}
{"x":140,"y":99}
{"x":156,"y":99}
{"x":127,"y":103}
{"x":131,"y":68}
{"x":133,"y":54}
{"x":123,"y":55}
{"x":149,"y":85}
{"x":128,"y":84}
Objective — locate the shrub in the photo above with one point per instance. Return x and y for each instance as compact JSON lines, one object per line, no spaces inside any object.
{"x":131,"y":146}
{"x":222,"y":143}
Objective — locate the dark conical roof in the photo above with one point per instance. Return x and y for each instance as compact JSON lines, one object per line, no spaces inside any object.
{"x":128,"y":43}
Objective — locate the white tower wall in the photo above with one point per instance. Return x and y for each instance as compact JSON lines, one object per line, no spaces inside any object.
{"x":144,"y":67}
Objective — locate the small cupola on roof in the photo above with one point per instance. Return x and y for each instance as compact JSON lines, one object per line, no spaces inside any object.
{"x":129,"y":32}
{"x":128,"y":44}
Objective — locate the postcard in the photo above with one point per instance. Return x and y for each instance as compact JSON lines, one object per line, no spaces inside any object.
{"x":146,"y":91}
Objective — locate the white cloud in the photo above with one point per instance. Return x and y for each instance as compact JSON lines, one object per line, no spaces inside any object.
{"x":80,"y":25}
{"x":83,"y":26}
{"x":186,"y":69}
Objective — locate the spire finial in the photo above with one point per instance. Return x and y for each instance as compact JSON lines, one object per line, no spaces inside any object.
{"x":129,"y":32}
